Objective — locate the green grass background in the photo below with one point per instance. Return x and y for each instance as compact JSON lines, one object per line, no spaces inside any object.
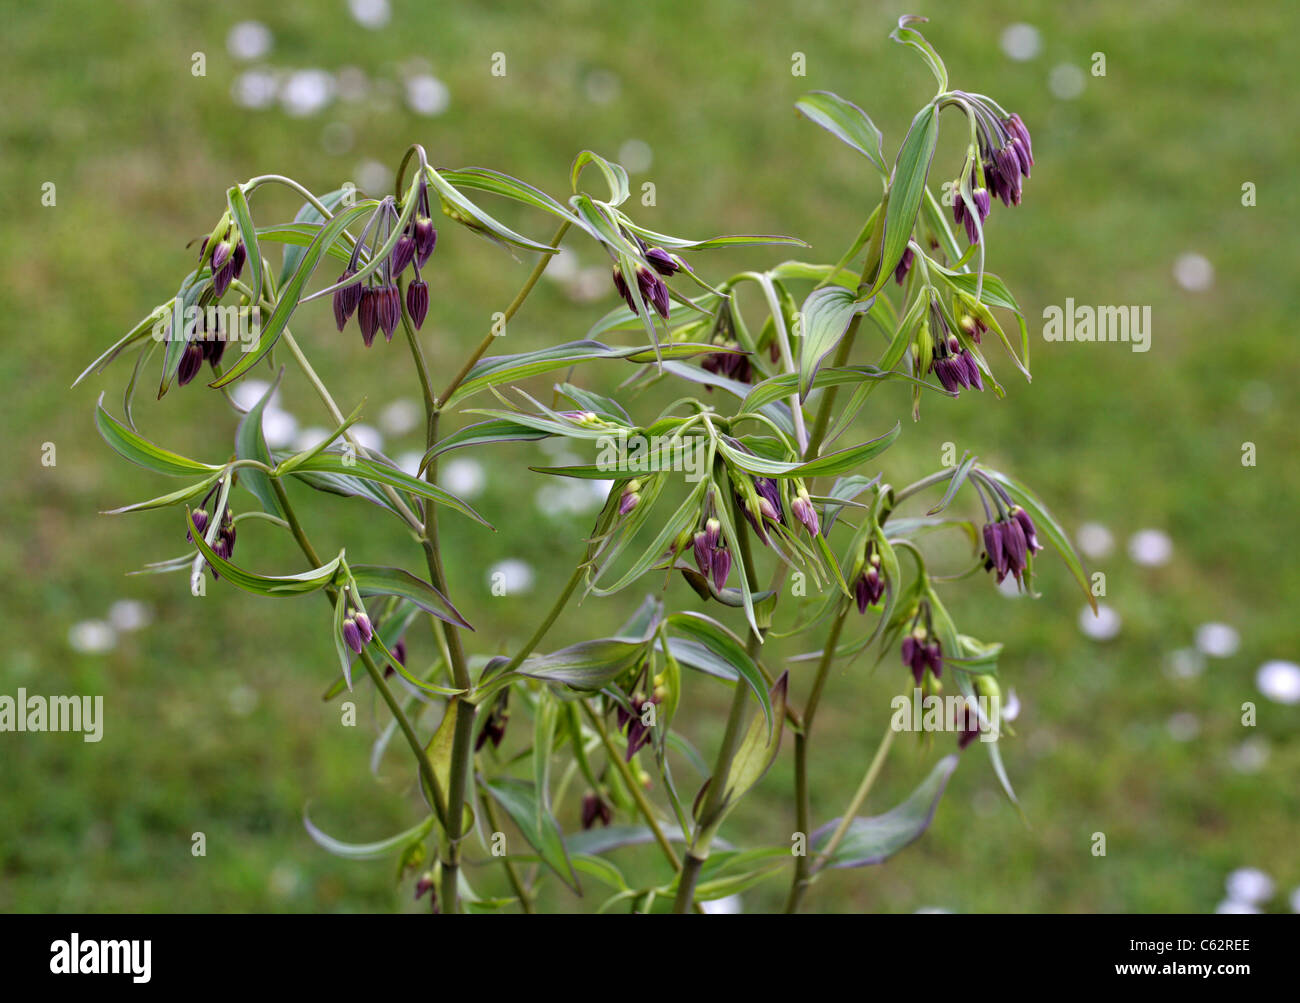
{"x":1145,"y":165}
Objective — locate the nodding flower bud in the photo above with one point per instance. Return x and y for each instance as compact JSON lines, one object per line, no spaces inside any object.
{"x":494,"y":728}
{"x":703,"y":553}
{"x":200,"y":517}
{"x":426,"y":239}
{"x":1028,"y":528}
{"x":403,"y":252}
{"x":769,"y":499}
{"x":733,"y":364}
{"x":954,"y":366}
{"x":417,"y":302}
{"x":620,"y":286}
{"x":191,"y":362}
{"x":389,"y":310}
{"x":870,"y":586}
{"x":352,"y":635}
{"x":963,"y":216}
{"x":221,"y":252}
{"x":661,"y":261}
{"x":974,"y":327}
{"x":595,"y":809}
{"x":630,"y":498}
{"x":721,"y":567}
{"x":399,"y":655}
{"x":918,"y":655}
{"x":805,"y":511}
{"x":1008,"y":544}
{"x":368,"y":314}
{"x":364,"y":626}
{"x":346,"y":300}
{"x":653,"y":290}
{"x":214,"y":346}
{"x":238,"y":257}
{"x":904,"y":266}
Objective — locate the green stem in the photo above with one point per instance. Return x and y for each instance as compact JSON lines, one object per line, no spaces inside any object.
{"x":510,"y":311}
{"x":433,"y":790}
{"x":864,"y":788}
{"x":556,"y":608}
{"x":699,"y":849}
{"x":803,"y":812}
{"x":512,"y":875}
{"x":869,"y":268}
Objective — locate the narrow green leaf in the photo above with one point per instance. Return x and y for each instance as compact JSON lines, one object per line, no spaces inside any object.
{"x":845,"y":121}
{"x":239,"y":210}
{"x":519,"y":799}
{"x":250,"y":444}
{"x":876,"y":839}
{"x":722,"y":643}
{"x":906,"y":190}
{"x":141,"y":451}
{"x":378,"y":580}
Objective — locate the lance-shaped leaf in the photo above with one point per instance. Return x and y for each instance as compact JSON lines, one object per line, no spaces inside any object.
{"x":839,"y":462}
{"x":824,"y":317}
{"x":174,"y":498}
{"x":291,"y":292}
{"x":496,"y":430}
{"x":495,"y":370}
{"x":264,"y":585}
{"x":366,"y":851}
{"x":726,"y":647}
{"x":615,"y":175}
{"x":845,"y":121}
{"x":378,"y":580}
{"x":1046,"y":524}
{"x":250,"y":444}
{"x":519,"y":799}
{"x":239,"y":211}
{"x":875,"y":839}
{"x":368,"y":469}
{"x":308,"y":222}
{"x":141,"y":330}
{"x":485,"y":179}
{"x":141,"y":451}
{"x":465,"y":211}
{"x":778,"y":387}
{"x":906,"y":190}
{"x":759,"y":747}
{"x":588,"y":665}
{"x":671,"y":243}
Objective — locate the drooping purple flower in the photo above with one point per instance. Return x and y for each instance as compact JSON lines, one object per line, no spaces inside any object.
{"x":417,"y":302}
{"x":426,"y":239}
{"x":662,"y":262}
{"x":368,"y":314}
{"x":1027,"y":526}
{"x":237,"y":258}
{"x":630,"y":498}
{"x":403,"y":252}
{"x":721,"y":567}
{"x":653,"y":290}
{"x":804,"y":510}
{"x":595,"y":809}
{"x":346,"y":299}
{"x":494,"y":727}
{"x":904,"y":265}
{"x":200,"y":518}
{"x":352,"y":635}
{"x":870,"y":585}
{"x":364,"y":626}
{"x":769,"y":499}
{"x":389,"y":309}
{"x":191,"y":362}
{"x":993,"y":550}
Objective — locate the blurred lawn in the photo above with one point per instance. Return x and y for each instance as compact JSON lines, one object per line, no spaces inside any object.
{"x":214,"y":721}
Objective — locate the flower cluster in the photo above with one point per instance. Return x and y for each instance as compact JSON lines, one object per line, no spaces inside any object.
{"x":1005,"y":156}
{"x":951,"y":363}
{"x":1008,"y":544}
{"x":357,"y":630}
{"x":920,"y":654}
{"x":377,"y":301}
{"x":652,"y":288}
{"x":869,"y":586}
{"x":711,"y":553}
{"x":225,"y":255}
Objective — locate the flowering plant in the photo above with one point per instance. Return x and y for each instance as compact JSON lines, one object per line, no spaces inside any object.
{"x":729,"y":487}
